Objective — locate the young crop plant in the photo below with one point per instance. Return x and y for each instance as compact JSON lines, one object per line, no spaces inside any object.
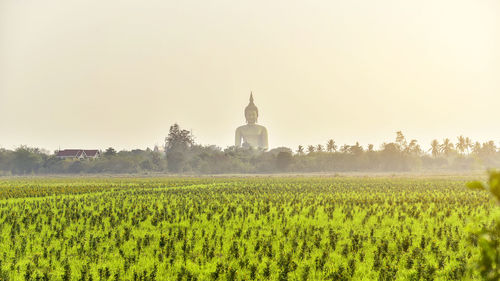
{"x":488,"y":238}
{"x":283,"y":228}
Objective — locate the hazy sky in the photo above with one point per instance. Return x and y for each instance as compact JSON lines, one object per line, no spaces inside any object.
{"x":93,"y":74}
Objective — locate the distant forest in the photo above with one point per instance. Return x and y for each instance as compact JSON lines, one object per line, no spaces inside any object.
{"x":182,"y":155}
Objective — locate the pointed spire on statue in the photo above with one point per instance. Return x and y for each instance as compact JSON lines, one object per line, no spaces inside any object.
{"x":252,"y":134}
{"x":251,"y":106}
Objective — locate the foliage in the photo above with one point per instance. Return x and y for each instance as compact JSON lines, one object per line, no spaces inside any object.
{"x":261,"y":228}
{"x":183,"y":155}
{"x":110,"y":152}
{"x":489,"y":236}
{"x":493,"y":185}
{"x":177,"y":145}
{"x":26,"y":160}
{"x":283,"y":160}
{"x":178,"y":139}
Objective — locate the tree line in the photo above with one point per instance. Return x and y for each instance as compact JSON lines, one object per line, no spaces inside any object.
{"x":182,"y":154}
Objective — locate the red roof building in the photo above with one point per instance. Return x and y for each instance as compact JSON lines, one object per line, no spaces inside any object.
{"x":78,"y":154}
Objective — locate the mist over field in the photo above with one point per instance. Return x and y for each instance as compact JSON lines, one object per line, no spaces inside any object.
{"x":182,"y":155}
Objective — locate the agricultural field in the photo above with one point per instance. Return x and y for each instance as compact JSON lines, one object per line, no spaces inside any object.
{"x":254,"y":228}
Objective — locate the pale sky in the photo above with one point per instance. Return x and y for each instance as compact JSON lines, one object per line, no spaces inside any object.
{"x":94,"y":74}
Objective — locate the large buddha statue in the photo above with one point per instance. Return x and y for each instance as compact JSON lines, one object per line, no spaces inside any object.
{"x":251,"y":134}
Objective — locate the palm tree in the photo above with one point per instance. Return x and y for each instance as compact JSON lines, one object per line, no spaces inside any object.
{"x":413,"y":148}
{"x":300,"y":150}
{"x":401,"y":141}
{"x":319,"y":148}
{"x":447,"y":147}
{"x":468,"y":144}
{"x":435,"y":148}
{"x":345,"y":148}
{"x":311,"y":149}
{"x":476,"y":148}
{"x":489,"y":148}
{"x":331,"y":146}
{"x":461,"y":145}
{"x":370,"y":147}
{"x":356,"y":149}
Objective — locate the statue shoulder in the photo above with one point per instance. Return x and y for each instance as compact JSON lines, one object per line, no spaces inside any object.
{"x":262,"y":128}
{"x":240,"y":128}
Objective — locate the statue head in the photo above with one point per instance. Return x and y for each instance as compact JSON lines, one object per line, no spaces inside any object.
{"x":251,"y":112}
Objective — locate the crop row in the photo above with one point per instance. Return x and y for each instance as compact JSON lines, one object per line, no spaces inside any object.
{"x":239,"y":229}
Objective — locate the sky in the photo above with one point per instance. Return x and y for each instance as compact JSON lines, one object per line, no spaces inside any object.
{"x":97,"y":74}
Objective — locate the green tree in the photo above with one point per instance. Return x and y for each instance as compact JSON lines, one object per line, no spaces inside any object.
{"x":178,"y":138}
{"x":476,"y":148}
{"x":489,"y":149}
{"x":370,"y":148}
{"x":159,"y":161}
{"x":300,"y":150}
{"x":356,"y":149}
{"x":489,"y":237}
{"x":468,"y":144}
{"x":5,"y":159}
{"x":447,"y":147}
{"x":319,"y":148}
{"x":413,"y":148}
{"x":311,"y":149}
{"x":110,"y":152}
{"x":26,"y":160}
{"x":401,"y":141}
{"x":461,"y":145}
{"x":435,"y":148}
{"x":283,"y":160}
{"x":177,"y":146}
{"x":331,"y":146}
{"x":345,"y":148}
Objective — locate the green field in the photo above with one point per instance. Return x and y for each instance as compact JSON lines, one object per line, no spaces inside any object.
{"x":277,"y":228}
